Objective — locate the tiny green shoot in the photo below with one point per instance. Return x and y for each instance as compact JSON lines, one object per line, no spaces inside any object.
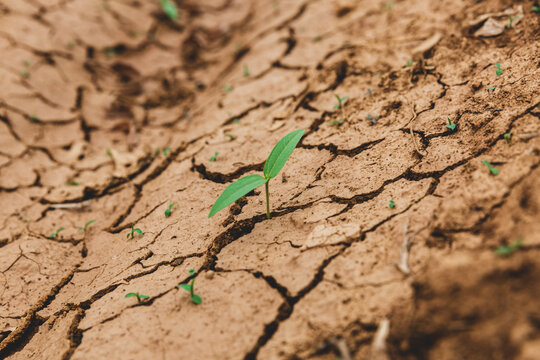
{"x":273,"y":165}
{"x":166,"y":151}
{"x":72,"y":182}
{"x":214,"y":158}
{"x":27,"y":63}
{"x":109,"y":153}
{"x":169,"y":8}
{"x":55,"y":234}
{"x":110,"y":52}
{"x":498,"y":71}
{"x":168,"y":211}
{"x":196,"y":299}
{"x":230,"y":136}
{"x":227,"y":88}
{"x":507,"y":250}
{"x":536,"y":9}
{"x":236,"y":121}
{"x":85,"y":227}
{"x":511,"y":21}
{"x":450,"y":126}
{"x":409,"y":63}
{"x":25,"y":74}
{"x":336,"y":122}
{"x":340,"y":100}
{"x":134,"y":230}
{"x":492,"y":88}
{"x":369,"y":91}
{"x":492,"y":169}
{"x":373,"y":119}
{"x":507,"y":137}
{"x":317,"y":38}
{"x":245,"y":69}
{"x":392,"y":204}
{"x":140,"y":298}
{"x":33,"y":118}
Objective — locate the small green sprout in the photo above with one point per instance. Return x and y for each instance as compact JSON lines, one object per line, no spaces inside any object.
{"x":273,"y":165}
{"x":392,"y":204}
{"x":498,"y":71}
{"x":245,"y":69}
{"x":507,"y":137}
{"x":409,"y":63}
{"x":72,"y":182}
{"x":231,"y":136}
{"x":373,"y":119}
{"x":450,"y":126}
{"x":336,"y":122}
{"x":196,"y":299}
{"x":317,"y":38}
{"x":536,"y":9}
{"x":85,"y":227}
{"x":133,"y":231}
{"x":110,"y":52}
{"x":227,"y":88}
{"x":340,"y":100}
{"x":168,"y":211}
{"x":389,"y":5}
{"x":109,"y":153}
{"x":169,"y":8}
{"x":140,"y":298}
{"x":25,"y":74}
{"x":511,"y":21}
{"x":33,"y":118}
{"x":214,"y":158}
{"x":55,"y":234}
{"x":507,"y":250}
{"x":492,"y":169}
{"x":27,"y":63}
{"x":236,"y":121}
{"x":166,"y":151}
{"x":70,"y":44}
{"x":492,"y":88}
{"x":369,"y":91}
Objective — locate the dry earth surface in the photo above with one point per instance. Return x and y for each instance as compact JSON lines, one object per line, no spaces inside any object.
{"x":110,"y":111}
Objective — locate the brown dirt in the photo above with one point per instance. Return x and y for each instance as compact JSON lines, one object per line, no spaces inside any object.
{"x":82,"y":78}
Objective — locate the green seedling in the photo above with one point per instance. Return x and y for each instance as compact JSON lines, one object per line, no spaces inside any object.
{"x":492,"y":88}
{"x":196,"y":299}
{"x":230,"y":136}
{"x":214,"y":158}
{"x":492,"y":169}
{"x":166,"y":151}
{"x":392,"y":204}
{"x":498,"y":71}
{"x":536,"y":9}
{"x":409,"y":63}
{"x":389,"y":5}
{"x":27,"y":63}
{"x":110,"y":52}
{"x":140,"y":298}
{"x":245,"y":69}
{"x":507,"y":250}
{"x":169,"y":8}
{"x":373,"y":119}
{"x":511,"y":21}
{"x":369,"y":91}
{"x":55,"y":234}
{"x":33,"y":118}
{"x":227,"y":88}
{"x":236,"y":121}
{"x":451,"y":126}
{"x":168,"y":211}
{"x":507,"y":137}
{"x":340,"y":100}
{"x":273,"y":165}
{"x":336,"y":122}
{"x":72,"y":183}
{"x":85,"y":227}
{"x":317,"y":38}
{"x":25,"y":74}
{"x":133,"y":231}
{"x":109,"y":153}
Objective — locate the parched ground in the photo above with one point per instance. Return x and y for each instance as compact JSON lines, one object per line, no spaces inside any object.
{"x":109,"y":111}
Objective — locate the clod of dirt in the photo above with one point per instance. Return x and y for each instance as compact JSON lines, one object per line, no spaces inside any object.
{"x":493,"y":24}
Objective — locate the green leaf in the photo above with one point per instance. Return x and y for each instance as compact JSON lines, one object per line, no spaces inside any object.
{"x":281,"y":153}
{"x":167,"y":212}
{"x":139,"y":231}
{"x":170,"y":9}
{"x":191,"y":271}
{"x":196,"y":299}
{"x":131,"y":295}
{"x":392,"y":204}
{"x":144,"y":296}
{"x":167,"y":151}
{"x":186,"y":287}
{"x":236,"y":190}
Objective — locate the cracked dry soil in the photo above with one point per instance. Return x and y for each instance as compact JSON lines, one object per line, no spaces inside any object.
{"x":109,"y":111}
